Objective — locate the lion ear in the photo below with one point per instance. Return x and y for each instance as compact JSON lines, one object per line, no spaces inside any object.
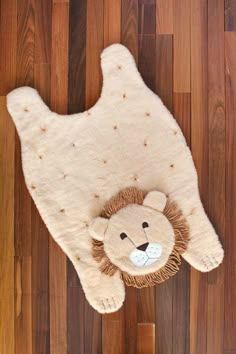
{"x":155,"y":200}
{"x":98,"y":228}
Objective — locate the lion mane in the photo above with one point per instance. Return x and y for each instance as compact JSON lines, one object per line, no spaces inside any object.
{"x":132,"y":195}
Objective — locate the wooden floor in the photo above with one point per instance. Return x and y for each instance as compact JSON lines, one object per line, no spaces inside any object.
{"x":186,"y":52}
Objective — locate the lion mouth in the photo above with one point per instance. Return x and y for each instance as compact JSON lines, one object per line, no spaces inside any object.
{"x":145,"y":258}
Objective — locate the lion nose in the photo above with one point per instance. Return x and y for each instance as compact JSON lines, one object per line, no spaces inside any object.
{"x":143,"y":247}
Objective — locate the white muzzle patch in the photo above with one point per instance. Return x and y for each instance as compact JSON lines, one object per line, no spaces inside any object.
{"x":149,"y":256}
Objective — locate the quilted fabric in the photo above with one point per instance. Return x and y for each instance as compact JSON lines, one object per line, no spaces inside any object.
{"x":74,"y":163}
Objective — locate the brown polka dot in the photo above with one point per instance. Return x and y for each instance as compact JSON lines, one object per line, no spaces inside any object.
{"x":43,"y":129}
{"x":33,"y":186}
{"x":172,"y":165}
{"x":78,"y":258}
{"x":104,"y":161}
{"x":65,"y":175}
{"x":115,"y":127}
{"x":73,"y":144}
{"x":147,"y":114}
{"x":26,"y":109}
{"x":62,"y":210}
{"x":88,"y":113}
{"x":145,"y":143}
{"x":175,"y":132}
{"x":96,"y":196}
{"x":124,"y":95}
{"x":119,"y":67}
{"x":135,"y":177}
{"x":86,"y":224}
{"x":41,"y":157}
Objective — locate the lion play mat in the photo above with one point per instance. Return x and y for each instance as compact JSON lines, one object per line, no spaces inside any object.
{"x":115,"y":185}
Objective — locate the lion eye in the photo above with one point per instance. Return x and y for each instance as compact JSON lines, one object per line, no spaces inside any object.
{"x":123,"y":236}
{"x":145,"y":224}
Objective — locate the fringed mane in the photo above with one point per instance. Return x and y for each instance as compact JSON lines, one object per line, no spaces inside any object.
{"x":180,"y":227}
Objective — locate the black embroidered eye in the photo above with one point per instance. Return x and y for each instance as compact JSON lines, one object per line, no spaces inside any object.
{"x":123,"y":236}
{"x":145,"y":224}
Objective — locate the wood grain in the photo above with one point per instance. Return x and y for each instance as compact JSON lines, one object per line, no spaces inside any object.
{"x":230,"y":244}
{"x":182,"y":46}
{"x":112,"y":22}
{"x":230,"y":15}
{"x":7,"y":151}
{"x":216,"y":190}
{"x":164,"y":16}
{"x":146,"y":338}
{"x":129,"y":26}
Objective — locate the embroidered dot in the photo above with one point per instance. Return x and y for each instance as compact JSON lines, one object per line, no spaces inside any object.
{"x":115,"y":127}
{"x":33,"y":186}
{"x":43,"y":129}
{"x":147,"y":114}
{"x":26,"y":109}
{"x":119,"y":67}
{"x":124,"y":95}
{"x":172,"y":165}
{"x":62,"y":210}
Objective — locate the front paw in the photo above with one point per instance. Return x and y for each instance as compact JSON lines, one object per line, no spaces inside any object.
{"x":211,"y":260}
{"x":108,"y":304}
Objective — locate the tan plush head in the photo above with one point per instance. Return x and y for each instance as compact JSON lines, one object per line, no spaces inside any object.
{"x":141,"y":236}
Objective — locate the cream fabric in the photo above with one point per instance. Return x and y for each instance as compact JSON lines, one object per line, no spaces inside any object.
{"x":74,"y":163}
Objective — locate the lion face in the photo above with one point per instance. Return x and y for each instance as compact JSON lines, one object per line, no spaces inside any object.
{"x":138,"y":239}
{"x":140,"y":236}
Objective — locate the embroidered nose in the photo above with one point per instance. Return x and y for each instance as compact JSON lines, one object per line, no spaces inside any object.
{"x":143,"y":247}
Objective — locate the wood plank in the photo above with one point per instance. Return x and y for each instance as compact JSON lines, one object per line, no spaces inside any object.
{"x":94,"y":46}
{"x":23,"y":305}
{"x":43,"y":31}
{"x":7,"y":148}
{"x":77,"y":56}
{"x":230,"y":242}
{"x":147,"y":18}
{"x":112,"y":22}
{"x":129,"y":26}
{"x":146,"y":338}
{"x":164,"y":69}
{"x":216,"y":190}
{"x":230,"y":15}
{"x":113,"y":333}
{"x":199,"y":144}
{"x":182,"y":46}
{"x":130,"y":320}
{"x":40,"y":284}
{"x":146,"y":59}
{"x":59,"y":102}
{"x":8,"y":40}
{"x":164,"y":16}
